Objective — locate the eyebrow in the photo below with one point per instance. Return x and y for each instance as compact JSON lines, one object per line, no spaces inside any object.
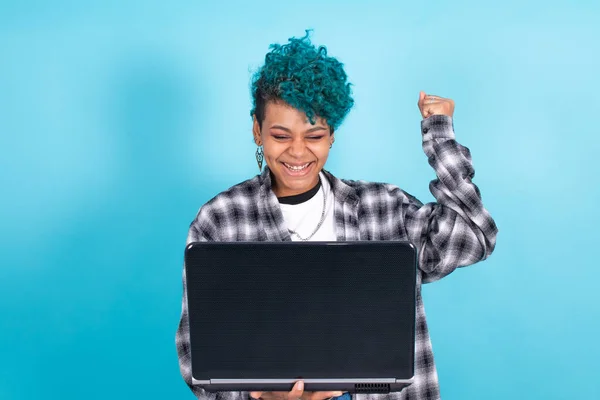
{"x":316,"y":128}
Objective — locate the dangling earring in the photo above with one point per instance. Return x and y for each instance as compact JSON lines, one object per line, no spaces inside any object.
{"x":259,"y":157}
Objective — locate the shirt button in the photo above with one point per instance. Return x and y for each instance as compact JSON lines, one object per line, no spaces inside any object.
{"x":425,"y":130}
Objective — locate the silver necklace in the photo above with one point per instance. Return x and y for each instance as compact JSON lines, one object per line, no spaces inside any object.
{"x":320,"y":222}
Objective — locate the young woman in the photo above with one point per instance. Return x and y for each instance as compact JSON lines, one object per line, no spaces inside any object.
{"x":301,"y":95}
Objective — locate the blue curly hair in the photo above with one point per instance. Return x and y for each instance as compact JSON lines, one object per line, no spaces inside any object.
{"x":304,"y":77}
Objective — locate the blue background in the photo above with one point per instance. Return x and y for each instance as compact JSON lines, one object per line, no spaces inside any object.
{"x":118,"y":120}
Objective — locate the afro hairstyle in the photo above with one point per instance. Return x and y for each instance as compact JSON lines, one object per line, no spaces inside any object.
{"x":304,"y":77}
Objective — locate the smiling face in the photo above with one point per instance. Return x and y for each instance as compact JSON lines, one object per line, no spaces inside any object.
{"x":294,"y":149}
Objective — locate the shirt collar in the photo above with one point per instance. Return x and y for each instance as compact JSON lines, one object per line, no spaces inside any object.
{"x":274,"y":225}
{"x":341,"y":191}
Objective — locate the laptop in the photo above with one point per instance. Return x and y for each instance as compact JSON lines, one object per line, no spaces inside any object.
{"x":337,"y":315}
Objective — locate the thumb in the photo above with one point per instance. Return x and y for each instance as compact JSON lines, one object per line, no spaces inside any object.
{"x":297,"y":390}
{"x":421,"y":96}
{"x":256,"y":395}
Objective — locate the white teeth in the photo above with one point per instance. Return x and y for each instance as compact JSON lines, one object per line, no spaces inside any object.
{"x":293,"y":168}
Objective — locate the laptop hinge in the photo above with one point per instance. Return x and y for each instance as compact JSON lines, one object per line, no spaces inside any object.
{"x":332,"y":380}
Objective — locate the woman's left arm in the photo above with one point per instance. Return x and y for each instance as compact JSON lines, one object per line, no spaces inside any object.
{"x":456,"y":230}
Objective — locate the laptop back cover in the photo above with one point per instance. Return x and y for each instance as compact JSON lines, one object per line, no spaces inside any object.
{"x":266,"y":313}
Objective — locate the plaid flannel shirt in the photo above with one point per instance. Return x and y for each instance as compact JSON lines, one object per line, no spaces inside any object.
{"x":455,"y":231}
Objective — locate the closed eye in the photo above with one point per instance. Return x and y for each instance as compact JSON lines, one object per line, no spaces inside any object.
{"x":311,"y":138}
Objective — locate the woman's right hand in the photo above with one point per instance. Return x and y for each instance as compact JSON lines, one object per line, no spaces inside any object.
{"x":296,"y":393}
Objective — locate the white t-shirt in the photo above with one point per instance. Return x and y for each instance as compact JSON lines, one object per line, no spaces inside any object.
{"x":304,"y":217}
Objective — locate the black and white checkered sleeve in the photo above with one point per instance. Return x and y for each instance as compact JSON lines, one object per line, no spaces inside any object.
{"x":456,"y":230}
{"x":202,"y":229}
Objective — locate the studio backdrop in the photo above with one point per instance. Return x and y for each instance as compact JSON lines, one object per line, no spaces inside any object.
{"x":118,"y":120}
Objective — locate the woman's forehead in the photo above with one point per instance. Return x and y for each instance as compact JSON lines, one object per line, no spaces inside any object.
{"x":281,"y":113}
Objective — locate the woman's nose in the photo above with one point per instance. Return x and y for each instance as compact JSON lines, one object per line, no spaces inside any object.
{"x":297,"y":148}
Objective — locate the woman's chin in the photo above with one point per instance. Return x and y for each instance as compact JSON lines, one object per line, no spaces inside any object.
{"x":292,"y":182}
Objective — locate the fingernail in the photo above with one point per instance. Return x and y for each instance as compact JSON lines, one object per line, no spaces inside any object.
{"x":300,"y":385}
